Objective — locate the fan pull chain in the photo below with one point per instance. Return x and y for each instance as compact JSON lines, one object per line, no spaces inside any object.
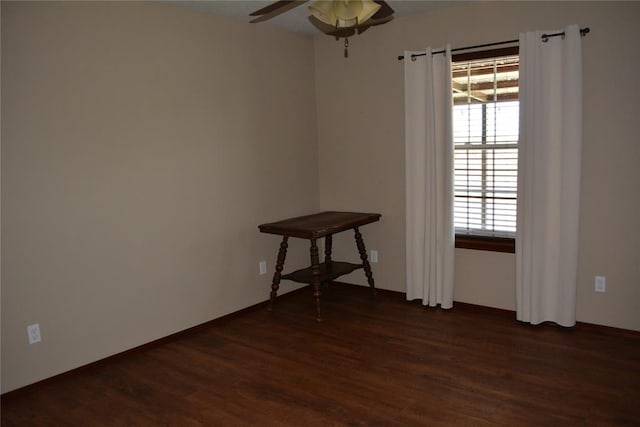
{"x":346,"y":40}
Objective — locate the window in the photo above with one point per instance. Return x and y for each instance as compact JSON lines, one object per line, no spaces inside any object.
{"x":485,"y":133}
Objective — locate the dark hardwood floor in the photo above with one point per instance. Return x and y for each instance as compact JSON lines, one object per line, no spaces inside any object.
{"x":373,"y":361}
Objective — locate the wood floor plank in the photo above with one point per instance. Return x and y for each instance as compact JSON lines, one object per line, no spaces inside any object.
{"x":373,"y":361}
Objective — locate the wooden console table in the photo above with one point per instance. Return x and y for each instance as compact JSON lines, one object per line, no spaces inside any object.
{"x":313,"y":227}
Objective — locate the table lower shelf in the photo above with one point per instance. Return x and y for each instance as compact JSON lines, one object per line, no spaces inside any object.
{"x":328,"y":272}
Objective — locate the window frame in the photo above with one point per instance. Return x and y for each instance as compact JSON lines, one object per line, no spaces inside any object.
{"x":472,"y":241}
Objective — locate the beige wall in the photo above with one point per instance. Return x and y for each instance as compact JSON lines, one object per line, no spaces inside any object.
{"x":142,"y":144}
{"x":361,"y":140}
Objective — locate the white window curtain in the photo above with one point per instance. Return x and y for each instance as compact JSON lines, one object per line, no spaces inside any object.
{"x":549,"y":177}
{"x":429,"y":178}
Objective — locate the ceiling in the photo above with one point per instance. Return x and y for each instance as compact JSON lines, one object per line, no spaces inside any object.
{"x":296,"y":20}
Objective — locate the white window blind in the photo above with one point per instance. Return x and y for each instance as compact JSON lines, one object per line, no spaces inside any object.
{"x":485,"y":128}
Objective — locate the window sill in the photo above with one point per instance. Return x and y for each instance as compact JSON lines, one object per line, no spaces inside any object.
{"x":486,"y":243}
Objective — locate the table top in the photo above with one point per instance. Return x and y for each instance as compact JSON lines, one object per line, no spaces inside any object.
{"x":319,"y":225}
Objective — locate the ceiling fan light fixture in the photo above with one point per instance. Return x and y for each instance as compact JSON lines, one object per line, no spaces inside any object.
{"x":343,"y":13}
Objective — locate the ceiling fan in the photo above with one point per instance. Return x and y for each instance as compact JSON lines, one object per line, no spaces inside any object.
{"x":337,"y":18}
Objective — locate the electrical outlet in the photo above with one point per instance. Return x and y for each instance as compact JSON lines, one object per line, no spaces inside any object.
{"x":263,"y":267}
{"x":600,"y":284}
{"x":374,"y":256}
{"x":33,"y":331}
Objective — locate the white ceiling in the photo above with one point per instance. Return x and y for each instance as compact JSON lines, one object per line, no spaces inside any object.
{"x":296,"y":20}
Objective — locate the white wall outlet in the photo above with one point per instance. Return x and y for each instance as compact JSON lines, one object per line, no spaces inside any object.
{"x":600,"y":284}
{"x":33,"y":332}
{"x":263,"y":267}
{"x":374,"y":256}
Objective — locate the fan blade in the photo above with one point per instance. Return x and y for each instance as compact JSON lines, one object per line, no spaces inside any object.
{"x":384,"y":11}
{"x":331,"y":30}
{"x":382,"y":16}
{"x":275,"y":9}
{"x":271,"y":8}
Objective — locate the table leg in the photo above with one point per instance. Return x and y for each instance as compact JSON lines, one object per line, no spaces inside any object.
{"x":282,"y":254}
{"x":315,"y":271}
{"x":328,"y":240}
{"x":365,"y":261}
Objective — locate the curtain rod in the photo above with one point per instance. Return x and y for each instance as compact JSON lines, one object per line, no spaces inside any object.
{"x":544,"y":37}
